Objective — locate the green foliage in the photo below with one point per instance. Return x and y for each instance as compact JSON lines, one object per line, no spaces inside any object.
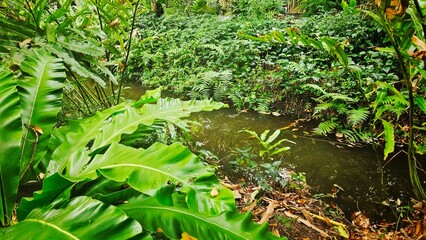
{"x":269,"y":147}
{"x":92,"y":177}
{"x":312,"y":7}
{"x":253,"y":8}
{"x":69,"y":220}
{"x":89,"y":37}
{"x":222,"y":226}
{"x":270,"y":174}
{"x":11,"y":141}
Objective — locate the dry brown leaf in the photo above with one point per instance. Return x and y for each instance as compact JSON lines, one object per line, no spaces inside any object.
{"x":270,"y":210}
{"x":114,"y":23}
{"x":418,"y":42}
{"x":214,"y":192}
{"x":37,"y":129}
{"x":237,"y":194}
{"x":308,"y":216}
{"x":25,"y":42}
{"x":360,"y":220}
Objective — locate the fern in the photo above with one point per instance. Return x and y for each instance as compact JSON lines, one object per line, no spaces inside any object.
{"x":357,"y":116}
{"x":322,"y":107}
{"x":325,"y":127}
{"x":356,"y":135}
{"x":212,"y":85}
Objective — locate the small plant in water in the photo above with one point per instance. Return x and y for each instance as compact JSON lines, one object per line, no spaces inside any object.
{"x":270,"y":174}
{"x":268,"y":145}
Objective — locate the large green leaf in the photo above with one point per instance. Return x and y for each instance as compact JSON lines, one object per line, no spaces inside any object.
{"x":10,"y":140}
{"x":40,"y":97}
{"x":74,"y":137}
{"x":171,"y":110}
{"x":176,"y":220}
{"x":150,"y":169}
{"x":80,"y":218}
{"x":54,"y":187}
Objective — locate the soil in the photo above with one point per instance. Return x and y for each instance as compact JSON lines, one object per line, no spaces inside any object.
{"x":296,"y":215}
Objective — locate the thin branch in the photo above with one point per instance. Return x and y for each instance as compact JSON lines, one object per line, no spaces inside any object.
{"x":128,"y":52}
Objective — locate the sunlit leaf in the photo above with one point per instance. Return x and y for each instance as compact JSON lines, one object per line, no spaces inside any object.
{"x":389,"y":138}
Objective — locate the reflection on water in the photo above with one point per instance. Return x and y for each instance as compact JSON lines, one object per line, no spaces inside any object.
{"x":325,"y":163}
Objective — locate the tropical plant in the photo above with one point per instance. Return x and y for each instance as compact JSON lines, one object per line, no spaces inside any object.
{"x":94,"y":182}
{"x":404,"y":26}
{"x":91,"y":37}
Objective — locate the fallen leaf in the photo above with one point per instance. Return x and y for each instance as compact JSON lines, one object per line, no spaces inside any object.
{"x":418,"y":42}
{"x":114,"y":23}
{"x":214,"y":192}
{"x":237,"y":194}
{"x":268,"y":213}
{"x":186,"y":236}
{"x":25,"y":42}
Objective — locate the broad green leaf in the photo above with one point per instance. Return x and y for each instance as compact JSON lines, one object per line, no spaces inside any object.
{"x":163,"y":164}
{"x":150,"y":96}
{"x":79,"y":218}
{"x":40,"y":98}
{"x":81,"y":47}
{"x":54,"y":187}
{"x":200,"y":199}
{"x":421,"y":102}
{"x":76,"y":135}
{"x":389,"y":138}
{"x":273,"y":136}
{"x":263,"y":135}
{"x":106,"y":190}
{"x":176,"y":220}
{"x":73,"y":64}
{"x":171,"y":110}
{"x":10,"y":141}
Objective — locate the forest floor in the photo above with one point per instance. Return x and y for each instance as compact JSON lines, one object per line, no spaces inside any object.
{"x":296,"y":215}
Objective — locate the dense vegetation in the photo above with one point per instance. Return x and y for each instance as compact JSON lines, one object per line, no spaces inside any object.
{"x":359,"y":72}
{"x":91,"y":157}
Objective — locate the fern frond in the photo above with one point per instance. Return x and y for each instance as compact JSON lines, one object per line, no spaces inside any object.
{"x":356,"y":135}
{"x":325,"y":127}
{"x":356,"y":116}
{"x":322,"y":107}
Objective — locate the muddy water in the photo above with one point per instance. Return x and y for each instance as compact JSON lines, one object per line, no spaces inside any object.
{"x":325,"y":162}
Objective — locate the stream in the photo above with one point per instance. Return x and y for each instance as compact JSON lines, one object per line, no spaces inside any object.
{"x":325,"y":161}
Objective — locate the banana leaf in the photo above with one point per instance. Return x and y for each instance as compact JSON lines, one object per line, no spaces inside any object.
{"x":176,"y":220}
{"x":10,"y":141}
{"x":79,"y":218}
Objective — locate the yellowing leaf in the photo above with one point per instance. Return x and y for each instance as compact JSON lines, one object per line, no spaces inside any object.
{"x":214,"y":192}
{"x":186,"y":236}
{"x":418,"y":42}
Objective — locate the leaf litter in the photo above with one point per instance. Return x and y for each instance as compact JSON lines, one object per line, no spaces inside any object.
{"x":297,"y":215}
